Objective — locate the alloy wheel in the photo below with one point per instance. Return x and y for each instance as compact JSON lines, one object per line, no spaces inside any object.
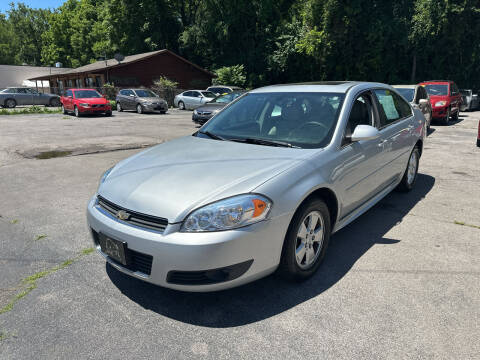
{"x":412,"y":167}
{"x":310,"y":237}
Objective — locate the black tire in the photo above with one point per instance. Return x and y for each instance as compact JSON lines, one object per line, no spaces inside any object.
{"x":163,"y":112}
{"x":10,"y":103}
{"x":55,"y":102}
{"x":407,"y":182}
{"x":139,"y":109}
{"x":76,"y":112}
{"x":181,"y":105}
{"x":455,"y":117}
{"x":108,"y":113}
{"x":119,"y":107}
{"x":289,"y":267}
{"x":446,"y":119}
{"x":65,"y":112}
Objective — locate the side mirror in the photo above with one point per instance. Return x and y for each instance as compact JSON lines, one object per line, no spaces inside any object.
{"x":365,"y":132}
{"x":423,"y":102}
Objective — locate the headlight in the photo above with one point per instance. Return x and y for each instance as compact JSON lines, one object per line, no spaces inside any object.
{"x":147,"y":103}
{"x":440,"y":103}
{"x":228,"y":214}
{"x":105,"y":175}
{"x":195,"y":112}
{"x":84,"y":104}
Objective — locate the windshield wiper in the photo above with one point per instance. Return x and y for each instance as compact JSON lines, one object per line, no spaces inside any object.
{"x":266,"y":142}
{"x":212,"y":136}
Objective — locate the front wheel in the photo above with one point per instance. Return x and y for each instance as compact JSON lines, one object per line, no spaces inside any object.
{"x":139,"y":109}
{"x":410,"y":175}
{"x":65,"y":112}
{"x":108,"y":113}
{"x":181,"y":105}
{"x":55,"y":102}
{"x":306,"y":241}
{"x":119,"y":107}
{"x":457,"y":114}
{"x":446,"y":119}
{"x":77,"y":112}
{"x":10,"y":103}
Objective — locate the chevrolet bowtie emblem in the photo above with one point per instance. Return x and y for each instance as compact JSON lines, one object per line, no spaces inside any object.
{"x":123,"y":215}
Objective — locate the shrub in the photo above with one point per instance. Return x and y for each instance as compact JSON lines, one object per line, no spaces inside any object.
{"x":113,"y":103}
{"x":165,"y":88}
{"x":110,"y":91}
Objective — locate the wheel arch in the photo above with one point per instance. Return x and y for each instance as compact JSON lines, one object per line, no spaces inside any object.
{"x":330,"y":198}
{"x":419,"y":144}
{"x":9,"y":98}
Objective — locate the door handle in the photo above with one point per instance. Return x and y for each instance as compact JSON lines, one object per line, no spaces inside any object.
{"x":381,"y":143}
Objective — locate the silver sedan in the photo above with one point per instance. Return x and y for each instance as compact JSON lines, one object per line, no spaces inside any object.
{"x":260,"y":187}
{"x":192,"y":99}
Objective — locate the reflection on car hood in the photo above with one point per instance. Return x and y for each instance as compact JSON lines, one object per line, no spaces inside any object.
{"x":151,"y":99}
{"x":435,"y":98}
{"x":211,"y":107}
{"x":171,"y":179}
{"x":93,"y":100}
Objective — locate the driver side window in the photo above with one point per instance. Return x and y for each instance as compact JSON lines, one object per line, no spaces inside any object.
{"x":361,"y":113}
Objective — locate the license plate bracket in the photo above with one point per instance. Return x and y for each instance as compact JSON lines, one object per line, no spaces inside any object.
{"x":115,"y":249}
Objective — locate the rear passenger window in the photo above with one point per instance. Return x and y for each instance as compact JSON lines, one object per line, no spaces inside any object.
{"x":392,"y":107}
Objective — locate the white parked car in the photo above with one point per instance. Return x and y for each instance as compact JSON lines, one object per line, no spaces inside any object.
{"x":192,"y":99}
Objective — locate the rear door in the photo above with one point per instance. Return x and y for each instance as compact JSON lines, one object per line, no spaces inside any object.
{"x":397,"y":125}
{"x":22,"y":97}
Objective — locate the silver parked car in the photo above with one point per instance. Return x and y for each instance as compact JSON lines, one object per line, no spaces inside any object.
{"x":418,"y":98}
{"x":141,"y":100}
{"x":223,"y":89}
{"x":192,"y":99}
{"x":259,"y":187}
{"x":13,"y":96}
{"x":470,"y":101}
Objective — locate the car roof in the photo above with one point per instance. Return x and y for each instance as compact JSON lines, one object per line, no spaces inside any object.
{"x":437,"y":81}
{"x":322,"y":86}
{"x":404,"y":86}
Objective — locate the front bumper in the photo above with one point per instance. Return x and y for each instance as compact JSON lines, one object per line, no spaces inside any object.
{"x":201,"y":119}
{"x":94,"y":110}
{"x":155,"y":107}
{"x":175,"y":252}
{"x":439,"y":112}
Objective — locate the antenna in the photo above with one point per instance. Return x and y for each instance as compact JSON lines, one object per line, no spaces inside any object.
{"x":119,"y":57}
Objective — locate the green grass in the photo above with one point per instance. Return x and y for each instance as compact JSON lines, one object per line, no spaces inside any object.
{"x":40,"y":237}
{"x":5,"y":335}
{"x":30,"y":110}
{"x":30,"y":283}
{"x":14,"y":221}
{"x":462,"y":223}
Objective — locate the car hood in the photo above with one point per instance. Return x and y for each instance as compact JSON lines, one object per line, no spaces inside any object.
{"x":150,"y":99}
{"x":172,"y":179}
{"x":93,"y":100}
{"x":211,"y":107}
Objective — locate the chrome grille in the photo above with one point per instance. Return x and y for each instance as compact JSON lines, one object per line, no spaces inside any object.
{"x":134,"y":218}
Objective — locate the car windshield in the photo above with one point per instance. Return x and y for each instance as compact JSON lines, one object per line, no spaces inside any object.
{"x":407,"y":93}
{"x":208,"y":94}
{"x":225,"y":99}
{"x":85,"y":94}
{"x":305,"y":120}
{"x":436,"y":89}
{"x":145,"y":93}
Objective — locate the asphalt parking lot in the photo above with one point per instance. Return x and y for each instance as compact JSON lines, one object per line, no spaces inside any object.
{"x":401,"y":282}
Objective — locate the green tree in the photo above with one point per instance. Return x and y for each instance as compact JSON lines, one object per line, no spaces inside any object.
{"x":29,"y":25}
{"x":231,"y":75}
{"x":8,"y":43}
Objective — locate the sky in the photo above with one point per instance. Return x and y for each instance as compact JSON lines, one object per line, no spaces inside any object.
{"x":5,"y":4}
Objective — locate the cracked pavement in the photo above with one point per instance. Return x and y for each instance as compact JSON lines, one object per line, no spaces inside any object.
{"x":401,"y":282}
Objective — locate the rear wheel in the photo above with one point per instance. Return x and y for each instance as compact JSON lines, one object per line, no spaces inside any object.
{"x":10,"y":103}
{"x":139,"y":109}
{"x":410,"y":175}
{"x":55,"y":102}
{"x":306,"y":241}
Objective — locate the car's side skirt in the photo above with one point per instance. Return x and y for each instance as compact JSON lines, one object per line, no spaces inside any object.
{"x":366,"y":206}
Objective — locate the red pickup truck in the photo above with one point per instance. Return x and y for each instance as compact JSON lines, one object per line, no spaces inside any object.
{"x":445,"y":98}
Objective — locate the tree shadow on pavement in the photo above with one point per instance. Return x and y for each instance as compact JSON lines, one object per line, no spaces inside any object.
{"x":272,"y":295}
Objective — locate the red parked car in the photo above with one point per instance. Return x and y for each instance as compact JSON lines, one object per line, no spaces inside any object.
{"x":445,"y":98}
{"x":85,"y":101}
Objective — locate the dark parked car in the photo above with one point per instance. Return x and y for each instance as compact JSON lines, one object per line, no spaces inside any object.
{"x":445,"y":99}
{"x":13,"y":96}
{"x":202,"y":114}
{"x":223,"y":89}
{"x":141,"y":100}
{"x":470,"y":100}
